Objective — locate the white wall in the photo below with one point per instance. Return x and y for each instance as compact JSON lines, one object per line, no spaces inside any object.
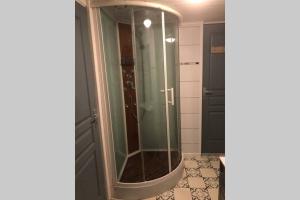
{"x":190,"y":50}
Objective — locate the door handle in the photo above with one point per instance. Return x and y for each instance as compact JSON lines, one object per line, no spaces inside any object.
{"x":94,"y":117}
{"x":172,"y":102}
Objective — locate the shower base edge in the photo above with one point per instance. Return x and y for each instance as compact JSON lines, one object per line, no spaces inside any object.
{"x":146,"y":189}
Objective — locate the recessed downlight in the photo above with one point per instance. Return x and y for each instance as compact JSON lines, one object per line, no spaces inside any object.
{"x":196,"y":1}
{"x":147,"y":23}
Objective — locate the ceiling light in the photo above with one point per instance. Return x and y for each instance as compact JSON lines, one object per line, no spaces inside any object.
{"x":196,"y":1}
{"x":170,"y":39}
{"x":147,"y":23}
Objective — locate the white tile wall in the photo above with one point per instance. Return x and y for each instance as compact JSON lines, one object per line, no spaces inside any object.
{"x":191,"y":136}
{"x":190,"y":148}
{"x":190,"y":49}
{"x":190,"y":120}
{"x":189,"y":53}
{"x":189,"y":35}
{"x":190,"y":89}
{"x":190,"y":73}
{"x":190,"y":105}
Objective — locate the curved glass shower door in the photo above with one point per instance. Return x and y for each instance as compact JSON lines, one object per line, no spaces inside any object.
{"x":173,"y":73}
{"x":151,"y":95}
{"x":140,"y":47}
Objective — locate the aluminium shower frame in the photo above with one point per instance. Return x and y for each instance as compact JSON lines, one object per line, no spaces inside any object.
{"x":118,"y":189}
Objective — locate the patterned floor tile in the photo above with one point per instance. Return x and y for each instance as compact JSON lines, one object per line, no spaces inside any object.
{"x":213,"y":193}
{"x":208,"y":172}
{"x":199,"y":180}
{"x":213,"y":158}
{"x":200,"y":194}
{"x":183,"y":183}
{"x":184,"y":175}
{"x":215,"y":164}
{"x":168,"y":195}
{"x":204,"y":164}
{"x":191,"y":164}
{"x":196,"y":182}
{"x":182,"y":194}
{"x":200,"y":158}
{"x":190,"y":172}
{"x":217,"y":172}
{"x":189,"y":156}
{"x":211,"y":182}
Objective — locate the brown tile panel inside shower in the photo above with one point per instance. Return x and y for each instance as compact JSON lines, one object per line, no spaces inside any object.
{"x":127,"y":64}
{"x":133,"y":171}
{"x":155,"y":165}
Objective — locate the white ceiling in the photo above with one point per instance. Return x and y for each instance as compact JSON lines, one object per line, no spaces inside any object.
{"x":197,"y":10}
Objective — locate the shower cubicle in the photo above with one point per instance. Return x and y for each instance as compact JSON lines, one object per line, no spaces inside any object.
{"x":140,"y":55}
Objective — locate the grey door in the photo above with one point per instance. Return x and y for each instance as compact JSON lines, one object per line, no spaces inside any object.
{"x":213,"y":124}
{"x":89,"y":176}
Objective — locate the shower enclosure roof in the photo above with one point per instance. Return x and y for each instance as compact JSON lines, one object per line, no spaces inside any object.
{"x":103,"y":3}
{"x":122,"y":14}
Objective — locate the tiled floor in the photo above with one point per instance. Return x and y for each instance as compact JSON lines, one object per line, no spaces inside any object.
{"x":200,"y":180}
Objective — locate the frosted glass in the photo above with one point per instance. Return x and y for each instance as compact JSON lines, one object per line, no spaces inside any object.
{"x":172,"y":57}
{"x":150,"y":73}
{"x":113,"y":74}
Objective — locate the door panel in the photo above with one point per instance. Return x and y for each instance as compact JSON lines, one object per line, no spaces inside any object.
{"x":82,"y":104}
{"x":216,"y":100}
{"x":216,"y":72}
{"x":89,"y":176}
{"x":213,"y":126}
{"x":216,"y":124}
{"x":86,"y":181}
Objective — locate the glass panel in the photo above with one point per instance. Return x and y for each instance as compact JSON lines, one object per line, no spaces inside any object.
{"x":113,"y":74}
{"x":141,"y":37}
{"x":171,"y":40}
{"x":151,"y":100}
